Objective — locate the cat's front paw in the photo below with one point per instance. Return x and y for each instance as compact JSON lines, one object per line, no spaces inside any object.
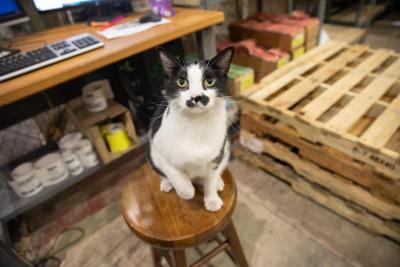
{"x":213,"y":203}
{"x":185,"y":192}
{"x":220,"y":185}
{"x":165,"y":185}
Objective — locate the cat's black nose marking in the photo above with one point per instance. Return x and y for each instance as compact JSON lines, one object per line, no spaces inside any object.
{"x":204,"y":100}
{"x":197,"y":98}
{"x":190,"y":103}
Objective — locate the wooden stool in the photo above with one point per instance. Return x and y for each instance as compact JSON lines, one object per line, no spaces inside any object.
{"x":171,"y":224}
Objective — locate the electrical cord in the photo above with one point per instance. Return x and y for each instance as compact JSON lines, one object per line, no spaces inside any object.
{"x":50,"y":257}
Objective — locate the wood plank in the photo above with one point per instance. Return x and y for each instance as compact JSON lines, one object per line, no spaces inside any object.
{"x":302,"y":89}
{"x":375,"y":60}
{"x":352,"y":212}
{"x":277,"y":74}
{"x":308,"y":63}
{"x":323,"y":102}
{"x":393,"y":70}
{"x":184,"y":22}
{"x":332,"y":160}
{"x":384,"y":161}
{"x":329,"y":97}
{"x":383,"y":128}
{"x":349,"y":211}
{"x":337,"y":184}
{"x":354,"y":110}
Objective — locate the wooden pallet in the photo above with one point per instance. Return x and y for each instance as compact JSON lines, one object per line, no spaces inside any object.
{"x":325,"y":157}
{"x":345,"y":97}
{"x":319,"y":194}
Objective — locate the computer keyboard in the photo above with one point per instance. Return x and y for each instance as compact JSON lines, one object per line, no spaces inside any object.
{"x":18,"y":64}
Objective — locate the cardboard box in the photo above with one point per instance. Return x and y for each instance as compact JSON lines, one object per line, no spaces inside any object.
{"x":89,"y":123}
{"x":260,"y":66}
{"x":298,"y":52}
{"x":283,"y":36}
{"x":298,"y":18}
{"x":311,"y":44}
{"x":262,"y":61}
{"x":239,"y":79}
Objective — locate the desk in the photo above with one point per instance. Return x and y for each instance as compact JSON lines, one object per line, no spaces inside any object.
{"x":185,"y":21}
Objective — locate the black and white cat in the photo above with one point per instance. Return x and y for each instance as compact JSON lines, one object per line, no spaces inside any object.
{"x":188,"y":136}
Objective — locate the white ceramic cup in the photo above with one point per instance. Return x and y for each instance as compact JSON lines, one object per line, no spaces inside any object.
{"x":94,"y":98}
{"x":50,"y":169}
{"x":72,"y":162}
{"x":86,"y":154}
{"x":69,"y":141}
{"x":24,"y":180}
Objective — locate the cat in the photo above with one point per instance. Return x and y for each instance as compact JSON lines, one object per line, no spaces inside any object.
{"x":188,"y":132}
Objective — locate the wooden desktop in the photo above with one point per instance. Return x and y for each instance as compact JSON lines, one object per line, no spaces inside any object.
{"x":185,"y":21}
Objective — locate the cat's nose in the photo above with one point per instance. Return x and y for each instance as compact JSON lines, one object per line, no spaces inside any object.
{"x":197,"y":98}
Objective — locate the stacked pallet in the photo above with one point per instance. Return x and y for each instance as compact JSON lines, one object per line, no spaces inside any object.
{"x":329,"y":124}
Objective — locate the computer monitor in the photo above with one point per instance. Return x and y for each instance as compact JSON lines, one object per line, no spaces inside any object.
{"x":53,"y":5}
{"x":11,"y":13}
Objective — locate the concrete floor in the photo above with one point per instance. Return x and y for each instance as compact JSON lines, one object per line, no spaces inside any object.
{"x":277,"y":227}
{"x":383,"y":35}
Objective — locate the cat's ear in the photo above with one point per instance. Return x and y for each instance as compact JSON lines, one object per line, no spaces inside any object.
{"x":168,"y":61}
{"x":223,"y":59}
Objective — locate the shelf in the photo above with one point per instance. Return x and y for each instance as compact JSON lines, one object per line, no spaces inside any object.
{"x":11,"y":205}
{"x":351,"y":35}
{"x":349,"y":16}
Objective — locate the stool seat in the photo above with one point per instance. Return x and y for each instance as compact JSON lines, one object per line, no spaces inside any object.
{"x":165,"y":220}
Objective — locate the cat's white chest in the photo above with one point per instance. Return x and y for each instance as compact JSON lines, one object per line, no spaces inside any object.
{"x":191,"y":140}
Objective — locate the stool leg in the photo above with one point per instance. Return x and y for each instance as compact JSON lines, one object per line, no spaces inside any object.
{"x":179,"y":258}
{"x":234,"y":242}
{"x":156,"y":257}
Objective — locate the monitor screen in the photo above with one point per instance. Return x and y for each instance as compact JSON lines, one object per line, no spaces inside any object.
{"x":11,"y":13}
{"x":50,"y":5}
{"x":8,"y":7}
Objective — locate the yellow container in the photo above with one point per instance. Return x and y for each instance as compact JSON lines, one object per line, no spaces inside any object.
{"x":117,"y":137}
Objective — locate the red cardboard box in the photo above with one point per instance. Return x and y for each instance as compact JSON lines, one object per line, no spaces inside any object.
{"x":267,"y":34}
{"x":262,"y":61}
{"x":298,"y":18}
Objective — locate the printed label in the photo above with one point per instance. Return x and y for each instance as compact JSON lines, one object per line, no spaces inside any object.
{"x":298,"y":40}
{"x":373,"y":157}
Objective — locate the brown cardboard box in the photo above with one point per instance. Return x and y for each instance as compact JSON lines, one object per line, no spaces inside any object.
{"x":311,"y":44}
{"x":310,"y":24}
{"x":260,"y":66}
{"x":263,"y":61}
{"x":298,"y":52}
{"x":239,"y":79}
{"x":272,"y":35}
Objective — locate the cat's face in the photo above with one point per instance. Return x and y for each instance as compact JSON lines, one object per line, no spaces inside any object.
{"x":196,"y":86}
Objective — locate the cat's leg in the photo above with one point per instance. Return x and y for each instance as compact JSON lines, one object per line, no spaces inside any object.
{"x":165,"y":185}
{"x":178,"y":179}
{"x":213,"y":183}
{"x":220,"y":184}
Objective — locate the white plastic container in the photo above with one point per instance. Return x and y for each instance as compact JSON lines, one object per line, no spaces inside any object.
{"x":72,"y":162}
{"x":24,"y":181}
{"x":69,"y":141}
{"x":50,"y":169}
{"x":86,"y":154}
{"x":94,"y":98}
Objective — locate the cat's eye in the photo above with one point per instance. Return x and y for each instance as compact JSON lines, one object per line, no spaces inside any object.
{"x":208,"y":82}
{"x":181,"y":82}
